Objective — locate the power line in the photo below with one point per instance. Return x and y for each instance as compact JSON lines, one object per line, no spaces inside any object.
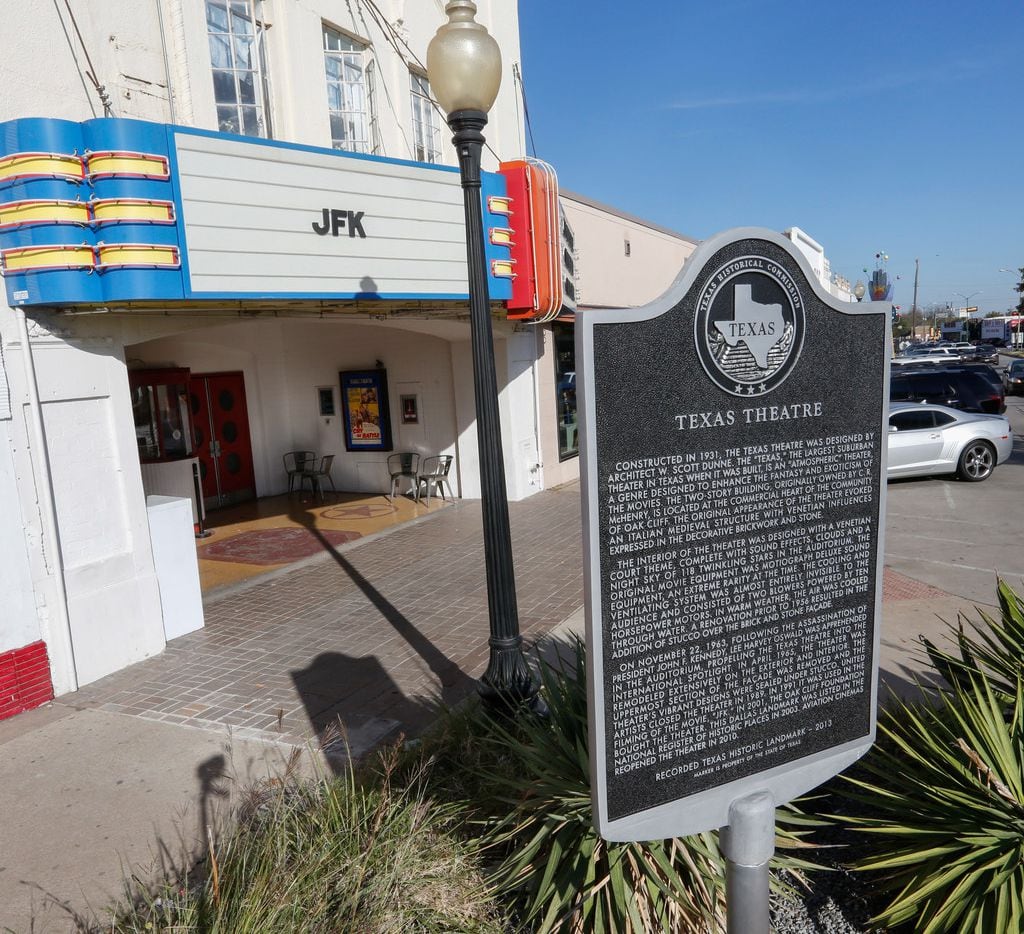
{"x":101,"y":91}
{"x":518,"y":77}
{"x":393,"y":38}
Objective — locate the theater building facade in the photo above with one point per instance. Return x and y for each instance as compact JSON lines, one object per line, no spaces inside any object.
{"x":245,"y":239}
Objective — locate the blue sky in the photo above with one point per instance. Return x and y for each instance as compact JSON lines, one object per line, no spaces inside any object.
{"x":895,"y":127}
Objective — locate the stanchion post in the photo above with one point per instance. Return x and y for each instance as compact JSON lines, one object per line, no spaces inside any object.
{"x":748,"y":844}
{"x":197,"y":486}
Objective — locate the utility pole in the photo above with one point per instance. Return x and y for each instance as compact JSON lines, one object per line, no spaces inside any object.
{"x":913,"y":307}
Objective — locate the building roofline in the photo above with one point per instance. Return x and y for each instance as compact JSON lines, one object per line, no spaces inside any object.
{"x":590,"y":202}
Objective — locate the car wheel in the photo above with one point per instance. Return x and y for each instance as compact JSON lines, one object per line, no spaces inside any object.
{"x":976,"y":462}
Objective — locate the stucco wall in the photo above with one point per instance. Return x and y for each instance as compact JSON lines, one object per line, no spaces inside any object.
{"x":608,"y":278}
{"x":105,"y":552}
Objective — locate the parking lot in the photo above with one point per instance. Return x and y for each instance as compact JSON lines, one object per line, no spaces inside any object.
{"x":957,"y":536}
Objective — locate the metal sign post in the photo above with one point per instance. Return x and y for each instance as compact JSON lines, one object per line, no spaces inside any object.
{"x":748,"y":842}
{"x":733,"y":454}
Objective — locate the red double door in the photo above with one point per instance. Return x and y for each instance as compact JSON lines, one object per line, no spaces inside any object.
{"x":220,"y":424}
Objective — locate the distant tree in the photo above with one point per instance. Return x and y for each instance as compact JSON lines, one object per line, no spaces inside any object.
{"x":901,"y":327}
{"x":1020,"y":291}
{"x":994,"y":314}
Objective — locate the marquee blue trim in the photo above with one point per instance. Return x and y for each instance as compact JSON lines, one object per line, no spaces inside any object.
{"x":57,"y":287}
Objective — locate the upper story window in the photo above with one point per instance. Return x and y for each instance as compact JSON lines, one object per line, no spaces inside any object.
{"x":350,"y":96}
{"x":426,"y":132}
{"x":240,"y":84}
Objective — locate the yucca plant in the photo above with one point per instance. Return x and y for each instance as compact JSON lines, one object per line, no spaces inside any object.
{"x":943,"y":801}
{"x":995,"y":647}
{"x":560,"y":874}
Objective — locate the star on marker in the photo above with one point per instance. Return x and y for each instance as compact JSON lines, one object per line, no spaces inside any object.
{"x":750,"y":390}
{"x":762,"y":387}
{"x":738,"y":389}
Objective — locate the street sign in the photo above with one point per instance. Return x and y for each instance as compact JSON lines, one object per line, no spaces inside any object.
{"x":733,"y":469}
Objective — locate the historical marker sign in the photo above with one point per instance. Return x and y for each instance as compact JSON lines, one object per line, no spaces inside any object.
{"x":734,"y":479}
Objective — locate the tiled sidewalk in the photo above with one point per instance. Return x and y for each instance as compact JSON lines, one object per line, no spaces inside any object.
{"x":375,"y":633}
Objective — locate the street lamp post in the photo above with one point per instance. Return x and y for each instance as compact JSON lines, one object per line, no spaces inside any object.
{"x":464,"y":70}
{"x":913,"y":307}
{"x":967,"y":298}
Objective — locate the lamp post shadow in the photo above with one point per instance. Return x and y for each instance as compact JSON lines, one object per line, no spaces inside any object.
{"x":353,"y":702}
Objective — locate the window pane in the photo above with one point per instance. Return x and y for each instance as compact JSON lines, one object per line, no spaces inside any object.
{"x":565,"y":382}
{"x":241,"y":24}
{"x":220,"y":52}
{"x":333,"y":97}
{"x":338,"y":129}
{"x":244,"y":53}
{"x":912,"y":421}
{"x":353,"y":68}
{"x":246,"y":88}
{"x":333,"y":65}
{"x":356,"y":99}
{"x":216,"y":16}
{"x":145,"y":422}
{"x":250,"y":121}
{"x":224,"y":87}
{"x":227,"y":119}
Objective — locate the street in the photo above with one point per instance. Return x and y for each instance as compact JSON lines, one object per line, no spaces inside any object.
{"x":958,"y":536}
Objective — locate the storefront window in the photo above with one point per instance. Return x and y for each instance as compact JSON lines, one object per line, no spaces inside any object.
{"x":160,"y":406}
{"x":565,"y":389}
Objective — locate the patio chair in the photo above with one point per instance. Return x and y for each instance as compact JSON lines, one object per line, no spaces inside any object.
{"x":316,"y":477}
{"x":435,"y":475}
{"x":297,"y":463}
{"x":404,"y":465}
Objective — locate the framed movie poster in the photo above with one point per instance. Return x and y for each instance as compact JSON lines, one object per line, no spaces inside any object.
{"x":364,"y":404}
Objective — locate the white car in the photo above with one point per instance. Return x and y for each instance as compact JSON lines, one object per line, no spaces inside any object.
{"x":934,"y":439}
{"x":931,"y":355}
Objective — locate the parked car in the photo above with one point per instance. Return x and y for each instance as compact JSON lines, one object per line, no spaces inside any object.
{"x":1013,"y":377}
{"x":986,"y":372}
{"x":934,"y":439}
{"x":954,"y":386}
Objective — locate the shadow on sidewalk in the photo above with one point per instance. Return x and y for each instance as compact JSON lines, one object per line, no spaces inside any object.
{"x":353,"y":702}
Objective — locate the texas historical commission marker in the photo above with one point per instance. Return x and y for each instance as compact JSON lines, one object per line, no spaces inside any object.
{"x":733,"y":479}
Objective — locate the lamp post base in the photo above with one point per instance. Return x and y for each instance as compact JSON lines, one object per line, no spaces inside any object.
{"x":508,"y":685}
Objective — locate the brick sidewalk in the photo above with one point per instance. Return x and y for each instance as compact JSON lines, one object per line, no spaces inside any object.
{"x":375,"y":633}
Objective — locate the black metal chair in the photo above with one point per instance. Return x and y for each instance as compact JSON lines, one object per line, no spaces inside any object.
{"x":297,"y":463}
{"x":404,"y":465}
{"x":316,"y":477}
{"x":435,"y":475}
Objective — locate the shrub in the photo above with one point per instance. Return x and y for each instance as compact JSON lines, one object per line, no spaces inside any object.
{"x":328,"y":856}
{"x":995,"y":648}
{"x":943,"y":800}
{"x":558,"y":872}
